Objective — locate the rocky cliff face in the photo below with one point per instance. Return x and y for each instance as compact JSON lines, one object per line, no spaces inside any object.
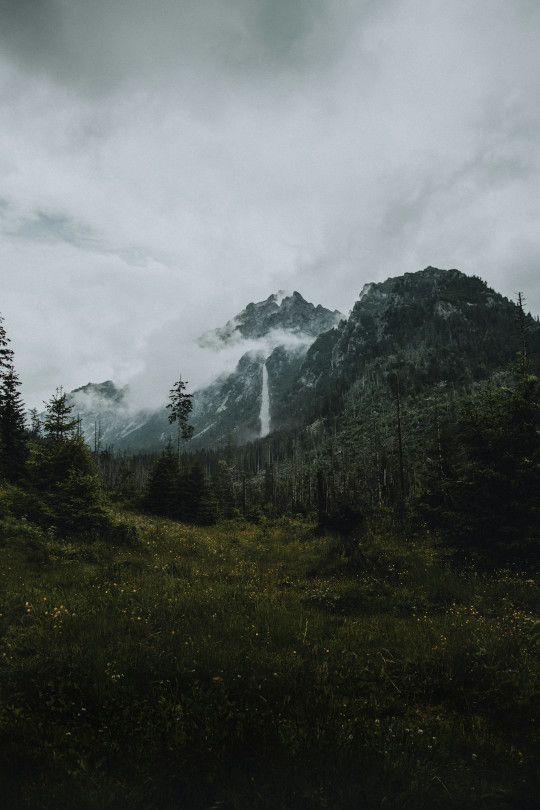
{"x":284,"y":327}
{"x":232,"y":406}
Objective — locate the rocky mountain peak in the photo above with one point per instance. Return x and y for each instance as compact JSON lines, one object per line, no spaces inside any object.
{"x":106,"y":390}
{"x":279,"y":312}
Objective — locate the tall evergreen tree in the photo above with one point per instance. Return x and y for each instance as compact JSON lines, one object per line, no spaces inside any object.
{"x":180,"y":406}
{"x":198,"y":504}
{"x":13,"y":449}
{"x":162,"y":492}
{"x":6,"y":354}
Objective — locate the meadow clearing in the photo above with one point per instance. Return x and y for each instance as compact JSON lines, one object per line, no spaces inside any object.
{"x":260,"y":666}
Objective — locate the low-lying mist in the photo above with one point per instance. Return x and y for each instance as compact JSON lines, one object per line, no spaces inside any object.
{"x":198,"y":366}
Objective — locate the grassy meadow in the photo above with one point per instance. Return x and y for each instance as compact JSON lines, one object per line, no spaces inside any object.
{"x":259,"y":667}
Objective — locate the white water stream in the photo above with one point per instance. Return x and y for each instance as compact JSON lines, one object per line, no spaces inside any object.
{"x":265,"y":404}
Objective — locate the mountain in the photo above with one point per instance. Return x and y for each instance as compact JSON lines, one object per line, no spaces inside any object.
{"x":280,"y":312}
{"x":433,"y":327}
{"x":299,"y":362}
{"x":284,"y":326}
{"x":105,"y":414}
{"x":281,"y":328}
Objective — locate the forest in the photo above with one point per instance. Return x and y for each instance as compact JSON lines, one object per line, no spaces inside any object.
{"x":343,"y":614}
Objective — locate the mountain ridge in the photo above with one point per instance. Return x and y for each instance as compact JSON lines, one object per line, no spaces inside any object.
{"x":431,"y":327}
{"x":279,"y":311}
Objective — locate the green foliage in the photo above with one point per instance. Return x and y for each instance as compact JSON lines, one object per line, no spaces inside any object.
{"x":162,"y":491}
{"x":175,"y":490}
{"x":180,"y":406}
{"x":62,"y":474}
{"x":59,"y":423}
{"x":223,"y":488}
{"x":13,"y":449}
{"x":489,"y":502}
{"x":180,"y":493}
{"x":197,"y":500}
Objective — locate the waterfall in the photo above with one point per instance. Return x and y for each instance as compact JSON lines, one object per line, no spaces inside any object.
{"x":265,"y":404}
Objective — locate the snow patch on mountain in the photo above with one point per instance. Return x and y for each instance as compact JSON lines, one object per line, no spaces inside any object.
{"x":200,"y":433}
{"x":223,"y":405}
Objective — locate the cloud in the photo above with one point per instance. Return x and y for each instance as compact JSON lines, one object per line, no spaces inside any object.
{"x":197,"y":365}
{"x":104,"y":47}
{"x":162,"y":164}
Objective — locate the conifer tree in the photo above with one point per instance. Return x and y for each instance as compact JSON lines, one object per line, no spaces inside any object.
{"x":63,"y":473}
{"x":6,"y":354}
{"x":59,"y":424}
{"x":198,"y":504}
{"x":180,"y":406}
{"x":13,"y":450}
{"x":162,"y":492}
{"x":35,"y":424}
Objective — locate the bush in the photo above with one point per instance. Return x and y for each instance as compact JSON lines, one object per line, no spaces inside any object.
{"x":122,"y":534}
{"x":65,"y":490}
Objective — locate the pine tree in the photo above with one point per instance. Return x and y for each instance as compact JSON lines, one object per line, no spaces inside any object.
{"x":180,"y":406}
{"x":162,"y":495}
{"x":59,"y":424}
{"x":198,"y":503}
{"x":35,"y":424}
{"x":63,"y":473}
{"x":13,"y":449}
{"x":6,"y":354}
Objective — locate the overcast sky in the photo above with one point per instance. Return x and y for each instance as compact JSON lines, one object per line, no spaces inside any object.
{"x":164,"y":163}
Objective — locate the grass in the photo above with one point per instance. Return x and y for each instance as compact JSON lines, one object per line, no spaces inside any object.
{"x":258,"y":667}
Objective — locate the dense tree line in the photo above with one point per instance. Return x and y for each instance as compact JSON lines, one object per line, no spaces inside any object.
{"x":48,"y":470}
{"x":179,"y":491}
{"x":486,"y":497}
{"x":466,"y":462}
